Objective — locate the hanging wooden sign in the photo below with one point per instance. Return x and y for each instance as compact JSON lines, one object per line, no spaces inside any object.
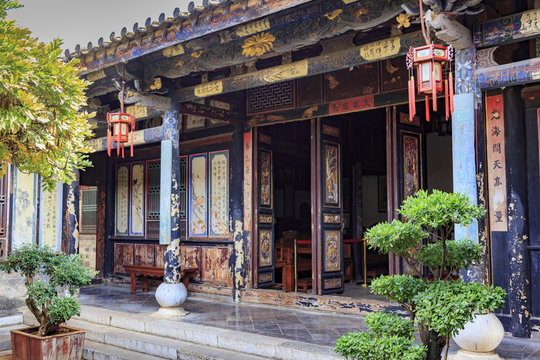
{"x":496,"y":163}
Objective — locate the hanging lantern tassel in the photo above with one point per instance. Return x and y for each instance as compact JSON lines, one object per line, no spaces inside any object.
{"x":434,"y":84}
{"x":451,"y":87}
{"x":109,"y":140}
{"x":427,"y":108}
{"x":413,"y":98}
{"x":410,"y":102}
{"x":446,"y":98}
{"x":132,"y":129}
{"x":118,"y":147}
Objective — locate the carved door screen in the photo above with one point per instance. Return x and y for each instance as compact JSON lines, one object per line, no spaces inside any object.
{"x":327,"y":199}
{"x":264,"y":214}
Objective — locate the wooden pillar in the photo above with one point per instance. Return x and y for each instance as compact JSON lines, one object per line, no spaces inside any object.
{"x":70,"y":220}
{"x":169,"y":225}
{"x":101,"y":226}
{"x":517,"y":236}
{"x":240,"y":256}
{"x":463,"y":145}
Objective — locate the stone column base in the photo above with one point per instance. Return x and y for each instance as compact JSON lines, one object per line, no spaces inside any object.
{"x":469,"y":355}
{"x":171,"y":297}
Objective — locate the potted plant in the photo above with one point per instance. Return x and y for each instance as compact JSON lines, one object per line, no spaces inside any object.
{"x":51,"y":281}
{"x":424,"y":238}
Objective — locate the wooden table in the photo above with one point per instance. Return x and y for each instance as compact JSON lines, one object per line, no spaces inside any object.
{"x":146,"y":271}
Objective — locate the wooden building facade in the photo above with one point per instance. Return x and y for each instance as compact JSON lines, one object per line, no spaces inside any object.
{"x":262,"y":124}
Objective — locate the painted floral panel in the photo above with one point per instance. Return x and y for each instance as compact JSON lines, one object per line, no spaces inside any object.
{"x":198,"y":223}
{"x":331,"y":174}
{"x":266,"y":179}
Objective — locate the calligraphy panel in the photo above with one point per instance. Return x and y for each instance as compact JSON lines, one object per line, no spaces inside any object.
{"x":50,"y":217}
{"x":122,"y":200}
{"x":198,"y":222}
{"x":496,"y":163}
{"x":137,"y":199}
{"x":219,"y":193}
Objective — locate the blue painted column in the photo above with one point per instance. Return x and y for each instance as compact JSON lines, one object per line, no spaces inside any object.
{"x":463,"y":144}
{"x":70,"y":218}
{"x":171,"y":294}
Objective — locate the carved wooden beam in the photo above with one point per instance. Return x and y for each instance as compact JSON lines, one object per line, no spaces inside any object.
{"x":508,"y":29}
{"x":378,"y":50}
{"x":449,"y":31}
{"x":209,"y":112}
{"x":517,"y":73}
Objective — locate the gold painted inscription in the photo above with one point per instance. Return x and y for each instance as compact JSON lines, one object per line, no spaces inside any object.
{"x":380,"y":49}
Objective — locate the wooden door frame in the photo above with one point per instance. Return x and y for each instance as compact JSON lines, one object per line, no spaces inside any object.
{"x":392,"y":183}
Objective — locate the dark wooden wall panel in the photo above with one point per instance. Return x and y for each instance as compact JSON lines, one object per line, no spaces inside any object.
{"x":190,"y":257}
{"x":123,"y":255}
{"x":215,"y":265}
{"x":160,"y":252}
{"x":144,"y":254}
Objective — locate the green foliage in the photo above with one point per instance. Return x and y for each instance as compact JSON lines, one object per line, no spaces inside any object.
{"x":398,"y":288}
{"x":440,"y":210}
{"x":388,"y":324}
{"x":446,"y":306}
{"x":42,"y":130}
{"x":42,"y":298}
{"x":460,"y":254}
{"x":425,"y":238}
{"x":397,"y":237}
{"x":390,"y":337}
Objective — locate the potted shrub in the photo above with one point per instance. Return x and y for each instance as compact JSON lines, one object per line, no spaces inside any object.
{"x":424,"y":238}
{"x":51,"y":281}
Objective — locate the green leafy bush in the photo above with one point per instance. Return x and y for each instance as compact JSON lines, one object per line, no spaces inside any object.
{"x":388,"y":324}
{"x":424,"y":238}
{"x":58,"y":271}
{"x":390,"y":337}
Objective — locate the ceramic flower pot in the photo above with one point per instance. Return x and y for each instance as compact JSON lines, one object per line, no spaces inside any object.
{"x":479,"y":338}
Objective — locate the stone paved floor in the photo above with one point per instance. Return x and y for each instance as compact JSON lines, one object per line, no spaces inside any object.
{"x":311,"y":327}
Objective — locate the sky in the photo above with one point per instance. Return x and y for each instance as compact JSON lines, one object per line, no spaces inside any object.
{"x":81,"y":21}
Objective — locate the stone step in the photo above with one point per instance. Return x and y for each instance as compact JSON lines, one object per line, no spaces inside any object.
{"x":5,"y":335}
{"x":106,"y":341}
{"x":108,"y":324}
{"x":98,"y":351}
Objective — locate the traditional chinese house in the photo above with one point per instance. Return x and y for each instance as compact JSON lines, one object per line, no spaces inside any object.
{"x":270,"y":134}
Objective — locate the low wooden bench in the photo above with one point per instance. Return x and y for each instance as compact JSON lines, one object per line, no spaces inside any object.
{"x":146,"y":271}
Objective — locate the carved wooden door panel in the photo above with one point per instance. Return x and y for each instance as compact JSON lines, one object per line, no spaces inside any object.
{"x":328,"y":214}
{"x":264,"y":214}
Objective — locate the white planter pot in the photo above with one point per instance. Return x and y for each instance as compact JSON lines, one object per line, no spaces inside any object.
{"x":479,"y":338}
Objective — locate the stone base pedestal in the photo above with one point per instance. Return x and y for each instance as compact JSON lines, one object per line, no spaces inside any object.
{"x":468,"y":355}
{"x":171,"y":297}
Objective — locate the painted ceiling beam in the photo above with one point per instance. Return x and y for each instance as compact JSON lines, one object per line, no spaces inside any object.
{"x":362,"y":54}
{"x":280,"y":33}
{"x":195,"y":24}
{"x":508,"y":29}
{"x":517,"y":73}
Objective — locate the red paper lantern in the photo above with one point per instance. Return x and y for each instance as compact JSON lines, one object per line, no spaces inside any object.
{"x":433,"y":75}
{"x":119,"y":130}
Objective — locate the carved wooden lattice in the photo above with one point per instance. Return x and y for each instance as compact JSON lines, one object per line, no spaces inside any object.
{"x":271,"y":97}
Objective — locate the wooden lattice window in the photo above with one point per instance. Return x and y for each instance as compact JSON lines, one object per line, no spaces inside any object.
{"x":153,"y":195}
{"x":279,"y":96}
{"x":88,"y":209}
